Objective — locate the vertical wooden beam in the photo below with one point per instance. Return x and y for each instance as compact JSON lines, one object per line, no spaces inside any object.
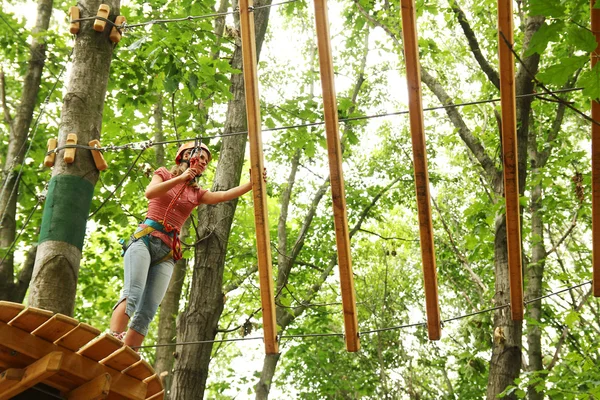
{"x":338,"y":192}
{"x":417,"y":133}
{"x":509,"y":156}
{"x":259,"y":192}
{"x":595,"y":14}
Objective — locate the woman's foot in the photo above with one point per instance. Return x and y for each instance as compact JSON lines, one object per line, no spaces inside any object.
{"x":119,"y":335}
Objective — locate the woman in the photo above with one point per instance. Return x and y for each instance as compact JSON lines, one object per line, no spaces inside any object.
{"x":154,"y":248}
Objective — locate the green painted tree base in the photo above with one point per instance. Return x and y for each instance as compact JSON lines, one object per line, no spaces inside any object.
{"x":66,"y":210}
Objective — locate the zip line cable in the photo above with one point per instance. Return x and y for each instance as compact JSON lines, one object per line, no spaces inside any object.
{"x":148,"y":143}
{"x":333,"y":334}
{"x":125,"y":26}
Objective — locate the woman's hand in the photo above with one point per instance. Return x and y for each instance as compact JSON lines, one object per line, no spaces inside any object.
{"x":189,"y":174}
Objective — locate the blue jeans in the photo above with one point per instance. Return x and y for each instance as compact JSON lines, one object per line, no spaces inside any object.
{"x":145,"y":282}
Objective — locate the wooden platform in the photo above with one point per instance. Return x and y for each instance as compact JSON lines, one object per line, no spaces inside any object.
{"x":38,"y":347}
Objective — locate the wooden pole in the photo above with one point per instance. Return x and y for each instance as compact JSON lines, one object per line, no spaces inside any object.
{"x":595,"y":13}
{"x":259,"y":192}
{"x":338,"y":192}
{"x":417,"y":132}
{"x":510,"y":157}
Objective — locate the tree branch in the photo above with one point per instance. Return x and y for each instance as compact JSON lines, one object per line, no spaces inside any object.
{"x":374,"y":22}
{"x":460,"y":256}
{"x":564,"y":334}
{"x":566,"y":234}
{"x":491,"y":73}
{"x":5,"y":109}
{"x":493,"y":174}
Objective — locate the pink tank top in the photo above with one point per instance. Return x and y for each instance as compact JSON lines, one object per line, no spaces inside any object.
{"x":181,"y":210}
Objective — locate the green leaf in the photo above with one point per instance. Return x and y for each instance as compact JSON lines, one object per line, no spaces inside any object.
{"x":171,"y":85}
{"x":590,"y":81}
{"x":583,"y":39}
{"x":559,"y":74}
{"x":547,"y":8}
{"x":541,"y":38}
{"x":571,"y":318}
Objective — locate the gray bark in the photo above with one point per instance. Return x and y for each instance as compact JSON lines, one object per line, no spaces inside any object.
{"x":199,"y":321}
{"x":54,"y":280}
{"x":19,"y":128}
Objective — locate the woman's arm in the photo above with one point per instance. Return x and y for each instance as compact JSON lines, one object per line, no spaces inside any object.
{"x":157,"y":187}
{"x":225,"y":195}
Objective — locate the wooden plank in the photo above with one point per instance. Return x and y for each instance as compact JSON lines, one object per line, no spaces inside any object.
{"x":10,"y":358}
{"x":259,"y":190}
{"x":595,"y":16}
{"x":76,"y":338}
{"x":96,"y":389}
{"x":81,"y":369}
{"x":510,"y":156}
{"x":338,"y":192}
{"x":140,"y":370}
{"x":158,"y":396}
{"x":154,"y":385}
{"x":34,"y":374}
{"x":10,"y":377}
{"x":101,"y":347}
{"x":9,"y":310}
{"x":121,"y":359}
{"x":55,"y":327}
{"x":30,"y":318}
{"x":417,"y":133}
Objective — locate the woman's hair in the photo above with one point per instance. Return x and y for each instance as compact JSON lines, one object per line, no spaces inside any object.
{"x":179,"y":169}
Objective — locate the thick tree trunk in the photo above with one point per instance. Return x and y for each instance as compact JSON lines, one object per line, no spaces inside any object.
{"x":71,"y":188}
{"x":263,"y":387}
{"x":535,"y":273}
{"x":200,"y":319}
{"x":19,"y":127}
{"x":167,"y":328}
{"x":505,"y":364}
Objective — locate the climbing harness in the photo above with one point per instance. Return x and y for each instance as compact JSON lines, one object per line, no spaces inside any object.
{"x":164,"y":226}
{"x":143,"y":233}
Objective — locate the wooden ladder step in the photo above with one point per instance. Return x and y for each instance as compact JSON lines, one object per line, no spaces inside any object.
{"x":55,"y":327}
{"x":79,"y":336}
{"x":30,"y":318}
{"x":101,"y":347}
{"x":9,"y":310}
{"x":140,"y":370}
{"x":154,"y":385}
{"x":121,"y":359}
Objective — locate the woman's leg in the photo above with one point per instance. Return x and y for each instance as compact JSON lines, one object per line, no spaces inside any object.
{"x":159,"y":276}
{"x":137,"y":263}
{"x":119,"y":320}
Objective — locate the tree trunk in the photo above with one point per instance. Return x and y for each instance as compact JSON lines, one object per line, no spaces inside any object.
{"x":535,"y":273}
{"x":19,"y":128}
{"x":266,"y":376}
{"x":199,"y":321}
{"x":71,"y":188}
{"x":505,"y":364}
{"x":169,"y":308}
